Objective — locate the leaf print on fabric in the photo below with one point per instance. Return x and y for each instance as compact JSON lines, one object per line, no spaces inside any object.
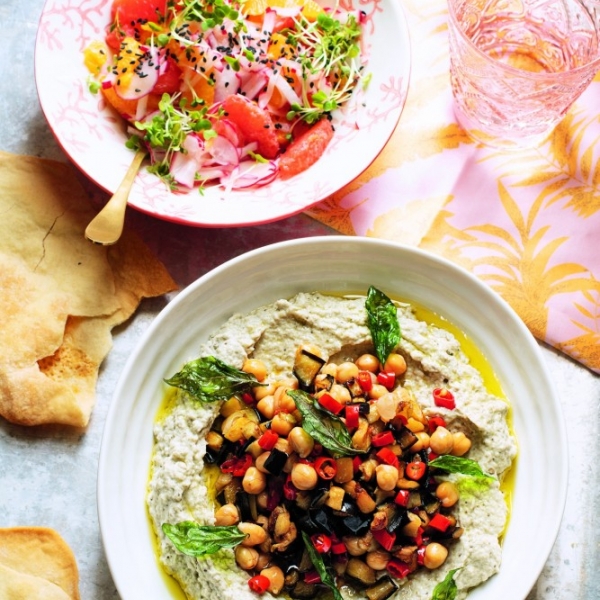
{"x":522,"y":274}
{"x":586,"y":347}
{"x":333,"y":214}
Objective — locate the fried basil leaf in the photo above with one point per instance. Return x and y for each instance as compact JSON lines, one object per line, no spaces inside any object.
{"x":382,"y":320}
{"x":446,"y":589}
{"x":209,"y":379}
{"x":323,"y":427}
{"x":201,"y":540}
{"x":320,"y":566}
{"x":462,"y":466}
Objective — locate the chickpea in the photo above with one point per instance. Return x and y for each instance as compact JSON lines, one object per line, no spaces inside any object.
{"x":259,"y":463}
{"x":378,"y":559}
{"x":276,"y":579}
{"x":304,"y":476}
{"x":266,"y":406}
{"x":447,"y":494}
{"x":256,"y":534}
{"x":254,"y":482}
{"x":367,"y":362}
{"x":340,"y":393}
{"x":346,"y":371}
{"x":283,"y":423}
{"x":462,"y":444}
{"x":329,"y":369}
{"x":435,"y":555}
{"x":255,"y":367}
{"x":262,"y":500}
{"x":283,"y":401}
{"x":245,"y":557}
{"x":227,"y":514}
{"x":387,"y":477}
{"x":377,"y":391}
{"x":395,"y":363}
{"x":261,"y":391}
{"x":422,"y":442}
{"x":441,"y":441}
{"x":254,"y":449}
{"x":301,"y":442}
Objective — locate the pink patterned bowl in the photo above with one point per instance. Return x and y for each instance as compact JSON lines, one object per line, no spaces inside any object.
{"x":93,"y":136}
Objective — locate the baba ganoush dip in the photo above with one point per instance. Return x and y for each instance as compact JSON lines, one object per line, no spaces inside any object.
{"x":384,"y":556}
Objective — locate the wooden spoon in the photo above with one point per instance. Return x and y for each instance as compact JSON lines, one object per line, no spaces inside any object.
{"x":107,"y":226}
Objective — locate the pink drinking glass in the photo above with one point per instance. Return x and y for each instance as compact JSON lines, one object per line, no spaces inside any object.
{"x":516,"y":66}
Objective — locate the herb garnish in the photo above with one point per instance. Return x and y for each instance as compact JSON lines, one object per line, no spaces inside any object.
{"x":446,"y":589}
{"x":327,"y":430}
{"x":462,"y":466}
{"x":382,"y":319}
{"x":201,"y":540}
{"x":209,"y":379}
{"x":320,"y":566}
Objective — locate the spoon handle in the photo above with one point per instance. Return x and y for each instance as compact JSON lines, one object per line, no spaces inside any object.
{"x":107,"y":226}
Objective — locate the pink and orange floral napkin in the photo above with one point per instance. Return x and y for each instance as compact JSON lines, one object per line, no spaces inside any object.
{"x":527,"y":222}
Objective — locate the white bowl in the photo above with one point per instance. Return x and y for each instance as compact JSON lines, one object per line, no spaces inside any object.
{"x":337,"y":264}
{"x":93,"y":136}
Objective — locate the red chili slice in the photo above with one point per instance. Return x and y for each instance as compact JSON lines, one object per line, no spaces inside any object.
{"x":385,"y":438}
{"x":444,"y":398}
{"x":387,"y":379}
{"x":338,"y":548}
{"x":268,"y":439}
{"x":321,"y":542}
{"x":237,"y":466}
{"x":326,"y":467}
{"x":364,"y":381}
{"x":352,"y":414}
{"x":330,"y":403}
{"x":402,"y":498}
{"x":440,"y":522}
{"x":434,"y":422}
{"x":386,"y":456}
{"x":415,"y":470}
{"x":397,"y":569}
{"x":385,"y":538}
{"x":259,"y":584}
{"x":356,"y":462}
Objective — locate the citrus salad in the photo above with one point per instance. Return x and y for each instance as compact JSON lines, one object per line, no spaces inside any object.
{"x":234,"y":92}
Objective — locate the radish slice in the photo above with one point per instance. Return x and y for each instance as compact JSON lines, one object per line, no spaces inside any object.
{"x":223,"y":151}
{"x":227,"y":82}
{"x":144,"y":77}
{"x":185,"y":164}
{"x":250,"y":173}
{"x":254,"y":84}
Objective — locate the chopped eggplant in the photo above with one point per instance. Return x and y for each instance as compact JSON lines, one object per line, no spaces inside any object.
{"x":397,"y":520}
{"x":357,"y":525}
{"x":322,"y":521}
{"x":275,"y":462}
{"x":354,"y":388}
{"x":306,"y":367}
{"x":382,"y":590}
{"x":303,"y":590}
{"x":406,"y":438}
{"x":359,"y":570}
{"x":323,"y":382}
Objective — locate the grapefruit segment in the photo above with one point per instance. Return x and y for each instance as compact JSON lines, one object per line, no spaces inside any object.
{"x":305,"y":150}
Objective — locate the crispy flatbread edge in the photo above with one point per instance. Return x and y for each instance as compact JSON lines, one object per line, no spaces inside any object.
{"x":36,"y":562}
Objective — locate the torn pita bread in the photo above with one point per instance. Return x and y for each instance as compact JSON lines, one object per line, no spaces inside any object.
{"x":36,"y":564}
{"x":60,"y":295}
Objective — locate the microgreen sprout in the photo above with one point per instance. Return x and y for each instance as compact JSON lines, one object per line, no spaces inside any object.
{"x":330,"y":47}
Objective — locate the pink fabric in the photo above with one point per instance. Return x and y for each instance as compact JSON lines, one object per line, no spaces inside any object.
{"x":527,"y":223}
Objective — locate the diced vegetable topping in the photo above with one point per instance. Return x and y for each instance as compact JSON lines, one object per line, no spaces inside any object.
{"x":339,"y":484}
